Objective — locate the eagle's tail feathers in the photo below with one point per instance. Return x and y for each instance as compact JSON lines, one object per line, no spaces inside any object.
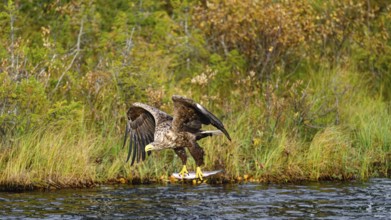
{"x":204,"y":134}
{"x":214,"y":132}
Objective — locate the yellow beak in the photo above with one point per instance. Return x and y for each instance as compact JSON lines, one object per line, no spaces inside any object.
{"x":149,"y":147}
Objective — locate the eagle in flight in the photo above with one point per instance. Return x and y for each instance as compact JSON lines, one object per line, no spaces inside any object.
{"x":151,"y":129}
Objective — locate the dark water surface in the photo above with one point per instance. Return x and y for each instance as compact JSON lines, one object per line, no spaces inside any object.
{"x":366,"y":200}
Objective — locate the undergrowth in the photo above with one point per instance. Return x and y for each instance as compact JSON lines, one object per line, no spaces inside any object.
{"x":299,"y":134}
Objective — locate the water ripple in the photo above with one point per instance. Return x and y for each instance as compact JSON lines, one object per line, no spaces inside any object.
{"x":316,"y":200}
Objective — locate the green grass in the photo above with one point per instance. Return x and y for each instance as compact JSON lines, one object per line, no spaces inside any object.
{"x":49,"y":157}
{"x":286,"y":149}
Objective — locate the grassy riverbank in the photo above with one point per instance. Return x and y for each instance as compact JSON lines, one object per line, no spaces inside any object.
{"x":303,"y":87}
{"x":293,"y":146}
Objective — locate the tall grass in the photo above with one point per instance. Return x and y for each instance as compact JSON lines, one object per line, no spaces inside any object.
{"x":56,"y":157}
{"x":314,"y":130}
{"x":344,"y":134}
{"x":370,"y":120}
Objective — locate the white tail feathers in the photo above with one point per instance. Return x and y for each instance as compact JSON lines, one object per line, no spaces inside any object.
{"x":214,"y":132}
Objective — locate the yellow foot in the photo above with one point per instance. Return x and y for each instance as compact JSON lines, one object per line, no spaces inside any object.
{"x":184,"y":171}
{"x":199,"y":173}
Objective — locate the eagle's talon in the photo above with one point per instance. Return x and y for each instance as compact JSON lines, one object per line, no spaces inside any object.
{"x":184,"y":171}
{"x":199,"y":173}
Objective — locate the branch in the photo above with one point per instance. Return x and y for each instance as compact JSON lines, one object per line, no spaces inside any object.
{"x":12,"y":17}
{"x":77,"y":50}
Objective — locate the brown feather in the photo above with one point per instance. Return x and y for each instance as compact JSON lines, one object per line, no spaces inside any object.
{"x":189,"y":115}
{"x":141,"y":126}
{"x":147,"y":125}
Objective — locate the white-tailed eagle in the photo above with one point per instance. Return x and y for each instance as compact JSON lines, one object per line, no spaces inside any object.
{"x":151,"y":129}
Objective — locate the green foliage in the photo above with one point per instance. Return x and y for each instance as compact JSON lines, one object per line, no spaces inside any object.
{"x":63,"y":112}
{"x":24,"y":105}
{"x":303,"y":87}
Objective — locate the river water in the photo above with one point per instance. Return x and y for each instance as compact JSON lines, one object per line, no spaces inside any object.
{"x":328,"y":200}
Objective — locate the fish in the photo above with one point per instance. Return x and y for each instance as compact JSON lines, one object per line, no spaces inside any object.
{"x":192,"y":175}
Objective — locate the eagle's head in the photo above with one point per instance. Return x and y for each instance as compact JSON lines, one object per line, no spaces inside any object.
{"x":154,"y":146}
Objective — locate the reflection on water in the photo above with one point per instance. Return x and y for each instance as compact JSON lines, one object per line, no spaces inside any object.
{"x":321,"y":200}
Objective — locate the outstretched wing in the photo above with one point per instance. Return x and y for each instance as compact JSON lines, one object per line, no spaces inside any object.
{"x":189,"y":116}
{"x":141,"y":127}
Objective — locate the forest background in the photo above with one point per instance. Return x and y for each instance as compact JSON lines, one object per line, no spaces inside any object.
{"x":303,"y":87}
